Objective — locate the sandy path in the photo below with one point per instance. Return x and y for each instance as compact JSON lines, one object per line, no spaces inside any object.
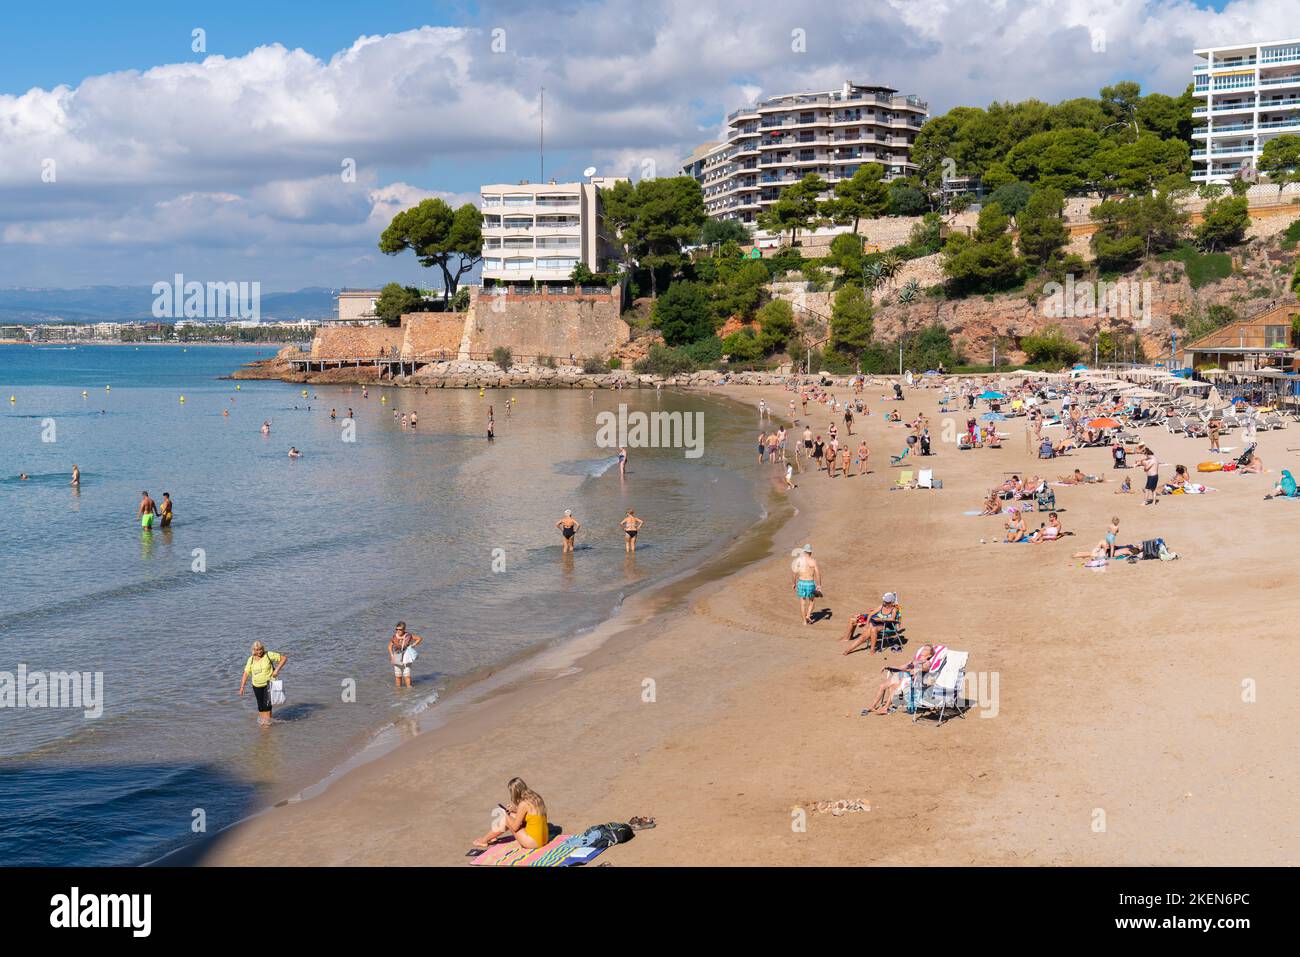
{"x":1119,"y":694}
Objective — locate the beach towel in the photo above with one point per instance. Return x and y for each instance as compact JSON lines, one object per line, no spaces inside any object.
{"x":510,"y":854}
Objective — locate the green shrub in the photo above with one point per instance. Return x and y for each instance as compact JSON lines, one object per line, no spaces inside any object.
{"x":502,"y":357}
{"x":1051,"y":346}
{"x":663,"y":361}
{"x":615,"y":362}
{"x":1202,"y":268}
{"x":546,"y":362}
{"x":705,"y":352}
{"x":593,"y":366}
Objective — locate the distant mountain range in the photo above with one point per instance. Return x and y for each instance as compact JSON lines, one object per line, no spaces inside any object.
{"x":135,"y":304}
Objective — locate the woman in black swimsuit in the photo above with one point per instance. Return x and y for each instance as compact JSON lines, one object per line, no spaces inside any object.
{"x":568,"y":527}
{"x":630,"y":525}
{"x":817,"y":451}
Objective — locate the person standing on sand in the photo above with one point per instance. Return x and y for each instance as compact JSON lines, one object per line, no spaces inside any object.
{"x":262,"y":666}
{"x":807,"y":582}
{"x":1151,"y":466}
{"x":401,"y":652}
{"x":1214,"y":428}
{"x":630,"y":525}
{"x":568,"y":527}
{"x":622,"y":463}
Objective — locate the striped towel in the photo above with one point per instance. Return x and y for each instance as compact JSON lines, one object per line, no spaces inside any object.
{"x":510,"y":854}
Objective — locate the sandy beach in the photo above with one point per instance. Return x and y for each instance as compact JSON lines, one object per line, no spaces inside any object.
{"x":1129,"y":716}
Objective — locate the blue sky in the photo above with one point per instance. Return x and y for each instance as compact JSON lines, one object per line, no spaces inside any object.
{"x":225,"y":163}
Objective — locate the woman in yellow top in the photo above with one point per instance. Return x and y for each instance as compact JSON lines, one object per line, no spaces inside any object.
{"x":525,"y":818}
{"x":262,"y":666}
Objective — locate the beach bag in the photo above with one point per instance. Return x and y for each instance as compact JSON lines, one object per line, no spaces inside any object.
{"x":605,"y":835}
{"x":1210,"y":467}
{"x":277,"y":691}
{"x":1151,"y":548}
{"x":1166,"y":555}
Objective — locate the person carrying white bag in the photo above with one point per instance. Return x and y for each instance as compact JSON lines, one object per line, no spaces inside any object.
{"x":401,"y":652}
{"x":264,"y":668}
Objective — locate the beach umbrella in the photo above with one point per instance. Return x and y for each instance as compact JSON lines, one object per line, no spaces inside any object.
{"x":993,"y":417}
{"x":1105,"y":422}
{"x":990,"y":394}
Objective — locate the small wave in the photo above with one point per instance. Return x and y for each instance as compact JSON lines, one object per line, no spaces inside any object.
{"x":586,"y":467}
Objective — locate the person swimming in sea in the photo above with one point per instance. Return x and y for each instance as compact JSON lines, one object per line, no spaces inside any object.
{"x":266,"y":427}
{"x":294,"y":453}
{"x":630,"y":525}
{"x":568,"y":527}
{"x":76,"y":476}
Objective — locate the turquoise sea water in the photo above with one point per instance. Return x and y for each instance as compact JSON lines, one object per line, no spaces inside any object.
{"x":318,"y":556}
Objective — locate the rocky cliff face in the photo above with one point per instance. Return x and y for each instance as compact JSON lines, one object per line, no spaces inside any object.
{"x":1152,"y":301}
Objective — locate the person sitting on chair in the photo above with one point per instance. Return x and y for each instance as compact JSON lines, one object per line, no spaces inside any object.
{"x":898,"y":680}
{"x":886,"y":615}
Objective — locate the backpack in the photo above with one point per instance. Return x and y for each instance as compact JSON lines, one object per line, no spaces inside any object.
{"x":1151,"y":548}
{"x":605,"y":835}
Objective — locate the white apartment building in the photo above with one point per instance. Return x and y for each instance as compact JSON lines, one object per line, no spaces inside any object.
{"x":1249,"y":93}
{"x":779,"y":140}
{"x":541,"y":231}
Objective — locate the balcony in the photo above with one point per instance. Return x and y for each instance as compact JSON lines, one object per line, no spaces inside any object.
{"x":1291,"y":80}
{"x":1288,"y":55}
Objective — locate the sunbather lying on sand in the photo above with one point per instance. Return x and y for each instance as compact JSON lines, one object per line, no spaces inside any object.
{"x":1078,"y":478}
{"x":1255,"y":466}
{"x":898,"y":679}
{"x":1117,"y":551}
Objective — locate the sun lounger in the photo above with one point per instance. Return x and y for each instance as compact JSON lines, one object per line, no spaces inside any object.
{"x":904,"y":480}
{"x":944,"y":694}
{"x":925,"y":478}
{"x":1275,"y":421}
{"x":1175,"y":425}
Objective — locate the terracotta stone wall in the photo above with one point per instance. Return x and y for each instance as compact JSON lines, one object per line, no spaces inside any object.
{"x":554,"y":326}
{"x":346,"y":342}
{"x":429,"y":333}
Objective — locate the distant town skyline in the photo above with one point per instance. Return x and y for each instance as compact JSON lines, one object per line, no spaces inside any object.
{"x":255,"y":144}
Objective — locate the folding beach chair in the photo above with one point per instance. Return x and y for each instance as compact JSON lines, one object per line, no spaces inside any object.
{"x":944,"y":695}
{"x":904,"y":480}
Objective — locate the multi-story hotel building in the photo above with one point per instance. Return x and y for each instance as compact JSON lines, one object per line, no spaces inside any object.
{"x":541,"y":231}
{"x":1248,"y":93}
{"x":779,"y":140}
